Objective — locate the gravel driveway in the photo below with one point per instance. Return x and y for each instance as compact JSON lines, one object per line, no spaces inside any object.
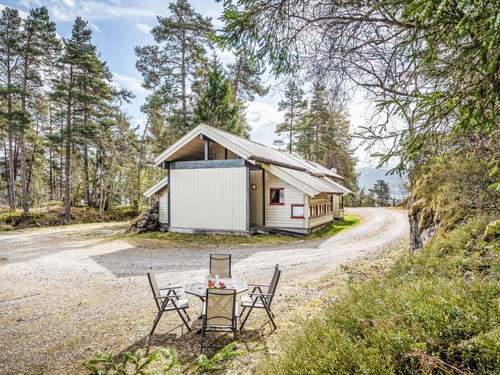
{"x":67,"y":292}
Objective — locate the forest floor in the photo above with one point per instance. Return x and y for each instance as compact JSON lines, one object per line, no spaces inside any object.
{"x":68,"y":292}
{"x":53,"y":215}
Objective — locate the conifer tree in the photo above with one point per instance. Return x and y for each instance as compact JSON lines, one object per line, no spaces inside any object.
{"x":10,"y":31}
{"x":169,"y":66}
{"x":38,"y":45}
{"x":246,"y":76}
{"x":294,"y":105}
{"x":217,"y":106}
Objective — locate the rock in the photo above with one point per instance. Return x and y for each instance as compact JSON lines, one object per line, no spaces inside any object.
{"x":147,"y":221}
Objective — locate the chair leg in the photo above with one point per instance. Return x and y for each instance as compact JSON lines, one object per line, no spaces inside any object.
{"x":187,"y":315}
{"x":157,"y":320}
{"x":183,"y":319}
{"x":246,"y":317}
{"x":270,"y":315}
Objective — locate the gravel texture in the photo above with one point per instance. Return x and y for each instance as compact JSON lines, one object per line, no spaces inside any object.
{"x":68,"y":292}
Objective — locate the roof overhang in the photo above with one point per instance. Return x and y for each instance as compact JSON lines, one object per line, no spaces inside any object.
{"x":202,"y":130}
{"x":156,"y":187}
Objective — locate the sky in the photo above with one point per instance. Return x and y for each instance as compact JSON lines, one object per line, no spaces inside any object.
{"x":119,"y":25}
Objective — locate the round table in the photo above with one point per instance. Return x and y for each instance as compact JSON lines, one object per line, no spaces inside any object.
{"x":199,"y":289}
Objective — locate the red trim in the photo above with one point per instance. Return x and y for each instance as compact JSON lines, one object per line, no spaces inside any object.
{"x":271,"y":197}
{"x":297,"y":205}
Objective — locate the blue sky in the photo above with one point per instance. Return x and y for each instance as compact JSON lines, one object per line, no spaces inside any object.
{"x":119,"y":25}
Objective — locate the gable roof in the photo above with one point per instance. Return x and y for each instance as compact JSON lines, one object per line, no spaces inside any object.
{"x":312,"y":177}
{"x":156,"y":187}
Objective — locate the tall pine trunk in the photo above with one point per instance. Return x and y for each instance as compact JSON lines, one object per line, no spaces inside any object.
{"x":67,"y":161}
{"x":12,"y":173}
{"x":183,"y":79}
{"x":86,"y":182}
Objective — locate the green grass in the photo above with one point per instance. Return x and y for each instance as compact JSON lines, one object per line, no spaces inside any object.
{"x":168,"y":239}
{"x":435,"y":311}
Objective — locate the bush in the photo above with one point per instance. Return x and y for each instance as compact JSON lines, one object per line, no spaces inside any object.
{"x":436,"y":311}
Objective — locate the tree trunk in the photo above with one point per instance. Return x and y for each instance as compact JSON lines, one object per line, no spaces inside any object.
{"x":67,"y":161}
{"x":292,"y":115}
{"x":138,"y":202}
{"x":183,"y":79}
{"x":51,"y":157}
{"x":86,"y":175}
{"x":12,"y":175}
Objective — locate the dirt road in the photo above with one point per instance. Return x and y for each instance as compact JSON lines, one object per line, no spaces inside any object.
{"x":67,"y":292}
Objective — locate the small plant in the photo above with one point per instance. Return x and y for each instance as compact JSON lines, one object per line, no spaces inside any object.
{"x":162,"y":361}
{"x":205,"y":364}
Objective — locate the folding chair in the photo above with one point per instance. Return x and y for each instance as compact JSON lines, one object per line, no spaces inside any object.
{"x":220,"y":264}
{"x":168,"y":299}
{"x":257,"y":299}
{"x":220,"y":314}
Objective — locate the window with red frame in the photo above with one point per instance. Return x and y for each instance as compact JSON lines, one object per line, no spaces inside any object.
{"x":277,"y":196}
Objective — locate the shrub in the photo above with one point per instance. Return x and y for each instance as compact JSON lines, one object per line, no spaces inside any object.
{"x":435,"y":311}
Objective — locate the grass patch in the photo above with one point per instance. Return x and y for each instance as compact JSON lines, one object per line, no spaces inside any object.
{"x":168,"y":239}
{"x":53,"y":215}
{"x":435,"y":311}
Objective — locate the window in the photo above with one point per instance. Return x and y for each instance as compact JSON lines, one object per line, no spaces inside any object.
{"x":297,"y":211}
{"x":277,"y":196}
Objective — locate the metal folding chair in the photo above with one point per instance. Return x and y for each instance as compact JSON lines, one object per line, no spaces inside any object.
{"x":168,"y":299}
{"x":220,"y":264}
{"x":257,"y":299}
{"x":220,"y":314}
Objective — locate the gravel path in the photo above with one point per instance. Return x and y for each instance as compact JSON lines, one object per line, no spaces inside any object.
{"x":67,"y":292}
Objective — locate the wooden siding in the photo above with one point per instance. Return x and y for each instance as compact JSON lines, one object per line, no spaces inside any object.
{"x":280,"y":216}
{"x":256,"y":197}
{"x":212,"y":198}
{"x":216,"y":152}
{"x":163,"y":209}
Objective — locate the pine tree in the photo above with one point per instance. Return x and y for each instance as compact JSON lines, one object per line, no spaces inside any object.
{"x":294,"y":105}
{"x":382,"y":193}
{"x":319,"y":118}
{"x":246,"y":76}
{"x":217,"y":106}
{"x":70,"y":90}
{"x":169,"y":66}
{"x":10,"y":32}
{"x":38,"y":46}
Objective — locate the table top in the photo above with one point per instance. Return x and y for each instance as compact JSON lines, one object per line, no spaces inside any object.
{"x":199,"y":288}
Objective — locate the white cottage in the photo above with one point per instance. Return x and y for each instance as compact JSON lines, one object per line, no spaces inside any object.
{"x":217,"y":182}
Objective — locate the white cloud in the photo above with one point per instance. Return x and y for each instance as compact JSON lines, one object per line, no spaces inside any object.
{"x":67,"y":10}
{"x":263,"y":118}
{"x":143,"y":27}
{"x":130,"y":83}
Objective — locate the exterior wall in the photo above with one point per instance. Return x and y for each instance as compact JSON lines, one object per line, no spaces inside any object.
{"x":336,"y":207}
{"x":163,"y":198}
{"x":280,"y":216}
{"x":210,"y":199}
{"x":217,"y":152}
{"x":256,"y":197}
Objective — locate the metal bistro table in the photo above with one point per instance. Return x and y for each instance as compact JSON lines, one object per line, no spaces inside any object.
{"x":199,"y":289}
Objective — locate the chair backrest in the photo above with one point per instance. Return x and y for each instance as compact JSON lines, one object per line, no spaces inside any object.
{"x":220,"y":264}
{"x":220,"y":307}
{"x":154,"y":288}
{"x":273,"y":285}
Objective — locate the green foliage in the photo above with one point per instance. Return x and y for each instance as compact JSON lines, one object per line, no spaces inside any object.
{"x":436,"y":311}
{"x":453,"y":186}
{"x":382,"y":193}
{"x":217,"y":105}
{"x":206,"y":364}
{"x":161,"y":361}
